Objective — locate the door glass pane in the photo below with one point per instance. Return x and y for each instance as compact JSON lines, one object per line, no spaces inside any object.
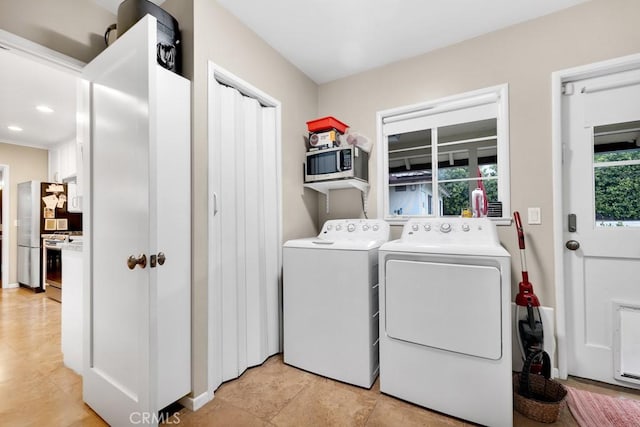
{"x":616,"y":161}
{"x":410,"y":174}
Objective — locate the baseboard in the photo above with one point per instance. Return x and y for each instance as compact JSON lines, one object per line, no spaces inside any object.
{"x":195,"y":403}
{"x":10,"y":286}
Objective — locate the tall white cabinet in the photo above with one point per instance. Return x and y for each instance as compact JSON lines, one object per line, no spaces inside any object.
{"x":137,"y":299}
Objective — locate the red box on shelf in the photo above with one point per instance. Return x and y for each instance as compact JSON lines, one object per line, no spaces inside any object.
{"x":326,"y":123}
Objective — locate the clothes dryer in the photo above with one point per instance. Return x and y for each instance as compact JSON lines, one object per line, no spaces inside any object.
{"x":330,"y":300}
{"x":445,"y":319}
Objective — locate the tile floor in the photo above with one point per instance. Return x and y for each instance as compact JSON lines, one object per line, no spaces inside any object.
{"x":37,"y":390}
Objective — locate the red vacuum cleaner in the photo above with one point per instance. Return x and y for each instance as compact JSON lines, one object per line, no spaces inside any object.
{"x":528,"y":320}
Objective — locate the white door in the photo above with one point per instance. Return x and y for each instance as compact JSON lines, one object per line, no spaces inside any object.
{"x":138,"y":206}
{"x":601,"y":175}
{"x":244,"y":231}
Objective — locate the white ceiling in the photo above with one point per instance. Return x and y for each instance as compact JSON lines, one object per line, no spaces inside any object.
{"x":326,"y":39}
{"x":25,"y":84}
{"x":330,"y":39}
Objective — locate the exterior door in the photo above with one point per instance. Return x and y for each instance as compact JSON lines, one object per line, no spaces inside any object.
{"x":601,"y":175}
{"x":136,"y":309}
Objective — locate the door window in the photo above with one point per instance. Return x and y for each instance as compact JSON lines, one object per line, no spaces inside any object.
{"x":616,"y":163}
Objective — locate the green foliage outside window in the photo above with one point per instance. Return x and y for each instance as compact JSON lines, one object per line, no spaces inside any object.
{"x":617,"y":188}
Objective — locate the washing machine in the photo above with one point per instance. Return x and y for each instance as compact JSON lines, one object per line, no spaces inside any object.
{"x":445,"y":319}
{"x":330,"y":300}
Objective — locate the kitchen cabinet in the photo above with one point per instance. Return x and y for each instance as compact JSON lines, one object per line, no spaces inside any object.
{"x":63,"y":161}
{"x":72,"y":307}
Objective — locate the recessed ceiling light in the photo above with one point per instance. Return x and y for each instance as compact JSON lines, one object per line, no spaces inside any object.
{"x":15,"y":128}
{"x":44,"y":109}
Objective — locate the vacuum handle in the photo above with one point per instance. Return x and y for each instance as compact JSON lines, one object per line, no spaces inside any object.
{"x":516,"y":217}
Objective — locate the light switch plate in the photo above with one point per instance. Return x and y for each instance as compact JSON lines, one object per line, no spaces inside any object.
{"x":534,"y":216}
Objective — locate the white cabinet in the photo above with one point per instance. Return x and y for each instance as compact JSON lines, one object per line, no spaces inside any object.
{"x":72,"y":307}
{"x":63,"y":161}
{"x":137,"y":287}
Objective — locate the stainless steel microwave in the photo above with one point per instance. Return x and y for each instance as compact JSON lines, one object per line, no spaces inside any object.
{"x":336,"y":163}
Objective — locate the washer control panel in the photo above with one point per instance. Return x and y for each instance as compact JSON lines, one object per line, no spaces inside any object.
{"x":355,"y":229}
{"x":450,"y":230}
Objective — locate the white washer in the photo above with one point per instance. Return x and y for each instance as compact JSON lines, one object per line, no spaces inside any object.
{"x":330,"y":300}
{"x":445,"y":319}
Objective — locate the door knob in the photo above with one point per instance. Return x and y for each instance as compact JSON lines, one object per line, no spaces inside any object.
{"x":572,"y":245}
{"x":132,"y":261}
{"x":161,"y":258}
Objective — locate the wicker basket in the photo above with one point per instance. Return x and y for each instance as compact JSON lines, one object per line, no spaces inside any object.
{"x":536,"y":396}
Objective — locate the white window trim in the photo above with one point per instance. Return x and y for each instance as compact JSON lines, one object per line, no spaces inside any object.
{"x":498,"y":94}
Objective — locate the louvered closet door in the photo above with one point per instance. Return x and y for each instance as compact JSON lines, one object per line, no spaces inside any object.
{"x":245,"y":246}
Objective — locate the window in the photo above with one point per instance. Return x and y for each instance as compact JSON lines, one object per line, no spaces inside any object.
{"x":434,"y":155}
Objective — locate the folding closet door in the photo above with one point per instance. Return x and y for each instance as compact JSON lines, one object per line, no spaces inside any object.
{"x":244,"y":274}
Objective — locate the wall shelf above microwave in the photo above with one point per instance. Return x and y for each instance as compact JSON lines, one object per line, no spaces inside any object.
{"x":325,"y":187}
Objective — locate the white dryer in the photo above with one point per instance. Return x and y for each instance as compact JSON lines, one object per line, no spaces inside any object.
{"x":445,"y":319}
{"x":330,"y":300}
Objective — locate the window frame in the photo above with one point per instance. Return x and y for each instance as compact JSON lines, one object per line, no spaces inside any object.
{"x":495,"y":95}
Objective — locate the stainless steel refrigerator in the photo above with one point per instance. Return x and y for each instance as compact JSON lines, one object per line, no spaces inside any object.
{"x":29,"y":235}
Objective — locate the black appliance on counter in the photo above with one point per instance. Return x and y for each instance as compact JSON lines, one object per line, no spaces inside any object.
{"x":168,"y":46}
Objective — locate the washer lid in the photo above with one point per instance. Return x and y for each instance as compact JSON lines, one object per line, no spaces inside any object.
{"x":319,"y":243}
{"x":347,"y":234}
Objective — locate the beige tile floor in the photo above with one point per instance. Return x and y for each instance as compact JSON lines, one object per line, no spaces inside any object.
{"x":37,"y":390}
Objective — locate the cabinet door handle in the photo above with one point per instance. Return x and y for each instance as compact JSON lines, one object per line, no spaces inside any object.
{"x":215,"y":204}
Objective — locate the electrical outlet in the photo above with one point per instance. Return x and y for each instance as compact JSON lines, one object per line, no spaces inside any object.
{"x":534,"y":216}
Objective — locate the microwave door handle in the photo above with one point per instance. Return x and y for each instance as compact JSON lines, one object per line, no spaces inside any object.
{"x":338,"y":165}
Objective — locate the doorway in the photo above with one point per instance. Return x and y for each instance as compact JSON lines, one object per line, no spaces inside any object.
{"x":31,"y":76}
{"x":597,"y":228}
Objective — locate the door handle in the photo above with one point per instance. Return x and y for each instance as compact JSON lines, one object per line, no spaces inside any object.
{"x":572,"y":245}
{"x":161,"y":258}
{"x":132,"y":261}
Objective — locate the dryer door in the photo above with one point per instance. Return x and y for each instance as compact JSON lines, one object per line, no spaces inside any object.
{"x":453,"y":307}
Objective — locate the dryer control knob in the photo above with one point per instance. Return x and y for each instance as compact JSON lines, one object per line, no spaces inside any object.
{"x":445,"y":227}
{"x":338,"y":227}
{"x":329,"y":227}
{"x":427,"y":227}
{"x":465,"y":227}
{"x":415,"y":227}
{"x":375,"y":228}
{"x":365,"y":227}
{"x":351,"y":228}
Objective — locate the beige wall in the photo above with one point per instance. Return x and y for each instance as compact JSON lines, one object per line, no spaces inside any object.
{"x":210,"y":33}
{"x":73,"y":27}
{"x":524,"y":56}
{"x":24,"y":164}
